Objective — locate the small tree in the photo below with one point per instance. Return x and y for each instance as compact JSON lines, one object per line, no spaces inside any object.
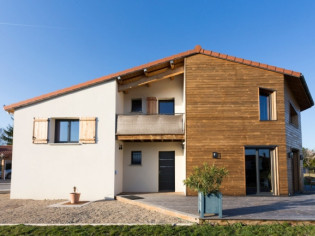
{"x":7,"y":135}
{"x":309,"y":158}
{"x":206,"y":179}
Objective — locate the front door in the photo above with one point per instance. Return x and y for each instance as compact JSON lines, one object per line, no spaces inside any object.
{"x":295,"y":171}
{"x":167,"y":171}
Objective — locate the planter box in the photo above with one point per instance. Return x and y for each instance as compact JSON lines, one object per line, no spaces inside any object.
{"x":210,"y":204}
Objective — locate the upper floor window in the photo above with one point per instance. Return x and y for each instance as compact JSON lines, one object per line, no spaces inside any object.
{"x":67,"y":131}
{"x":136,"y":105}
{"x":267,"y":104}
{"x":294,"y":118}
{"x":166,"y":107}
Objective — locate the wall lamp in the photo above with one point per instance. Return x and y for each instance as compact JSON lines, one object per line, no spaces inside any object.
{"x":216,"y":155}
{"x":120,"y":147}
{"x":290,"y":155}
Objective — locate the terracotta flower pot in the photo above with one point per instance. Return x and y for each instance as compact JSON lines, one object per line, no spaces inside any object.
{"x":74,"y":198}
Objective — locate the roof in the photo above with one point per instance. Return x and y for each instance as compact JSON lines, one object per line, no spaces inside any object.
{"x":137,"y":69}
{"x":6,"y":151}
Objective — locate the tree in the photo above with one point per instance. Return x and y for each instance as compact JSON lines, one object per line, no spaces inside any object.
{"x":309,"y":158}
{"x":7,"y":135}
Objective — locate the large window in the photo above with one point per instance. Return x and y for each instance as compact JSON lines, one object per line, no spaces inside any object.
{"x":267,"y":104}
{"x":67,"y":131}
{"x":136,"y":158}
{"x":261,"y":170}
{"x":136,"y":105}
{"x":166,"y":107}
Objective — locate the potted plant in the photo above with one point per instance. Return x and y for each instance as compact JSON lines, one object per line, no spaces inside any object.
{"x":207,"y":181}
{"x":74,"y":197}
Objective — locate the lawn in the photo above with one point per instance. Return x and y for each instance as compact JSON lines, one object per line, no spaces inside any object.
{"x":235,"y":229}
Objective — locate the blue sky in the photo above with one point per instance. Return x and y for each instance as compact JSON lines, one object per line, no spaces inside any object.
{"x":49,"y":45}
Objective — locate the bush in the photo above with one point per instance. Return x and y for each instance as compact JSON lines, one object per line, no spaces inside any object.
{"x":206,"y":179}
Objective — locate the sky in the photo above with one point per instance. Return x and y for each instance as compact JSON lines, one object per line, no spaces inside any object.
{"x":53,"y":44}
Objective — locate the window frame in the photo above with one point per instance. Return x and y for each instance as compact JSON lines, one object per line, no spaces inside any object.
{"x":57,"y":130}
{"x":132,"y":162}
{"x":167,"y":100}
{"x":271,"y":104}
{"x":136,"y":99}
{"x":294,"y":122}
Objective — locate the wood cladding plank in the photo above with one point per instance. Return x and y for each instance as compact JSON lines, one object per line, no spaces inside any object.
{"x":222,"y":115}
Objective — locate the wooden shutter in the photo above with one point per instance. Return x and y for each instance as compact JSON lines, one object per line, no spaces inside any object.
{"x":151,"y":105}
{"x":40,"y":130}
{"x":87,"y":129}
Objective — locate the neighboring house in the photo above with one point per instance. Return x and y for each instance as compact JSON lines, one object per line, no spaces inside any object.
{"x":5,"y":161}
{"x":144,"y":129}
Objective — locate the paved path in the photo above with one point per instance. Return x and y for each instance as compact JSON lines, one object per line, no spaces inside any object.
{"x":299,"y":207}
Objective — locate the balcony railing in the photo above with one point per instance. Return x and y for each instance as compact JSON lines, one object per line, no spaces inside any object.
{"x":150,"y":124}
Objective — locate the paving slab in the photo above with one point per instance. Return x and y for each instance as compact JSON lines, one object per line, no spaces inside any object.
{"x":288,"y":208}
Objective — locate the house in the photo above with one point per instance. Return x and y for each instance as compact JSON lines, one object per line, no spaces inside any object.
{"x":145,"y":128}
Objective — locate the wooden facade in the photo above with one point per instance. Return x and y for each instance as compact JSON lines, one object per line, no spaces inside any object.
{"x":222,"y":115}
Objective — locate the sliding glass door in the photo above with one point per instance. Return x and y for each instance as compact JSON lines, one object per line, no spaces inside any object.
{"x":260,"y":170}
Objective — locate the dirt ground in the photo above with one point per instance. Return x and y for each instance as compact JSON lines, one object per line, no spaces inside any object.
{"x":39,"y":212}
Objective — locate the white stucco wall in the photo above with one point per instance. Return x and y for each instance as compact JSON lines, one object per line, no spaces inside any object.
{"x":164,"y":89}
{"x":144,"y":178}
{"x":49,"y":171}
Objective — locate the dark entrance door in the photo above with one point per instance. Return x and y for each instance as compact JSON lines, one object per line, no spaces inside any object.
{"x":167,"y":171}
{"x":295,"y":171}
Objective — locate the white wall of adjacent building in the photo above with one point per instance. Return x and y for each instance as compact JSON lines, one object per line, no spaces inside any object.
{"x":49,"y":171}
{"x":145,"y":177}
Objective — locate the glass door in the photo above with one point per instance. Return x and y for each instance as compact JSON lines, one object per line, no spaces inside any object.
{"x":258,"y":165}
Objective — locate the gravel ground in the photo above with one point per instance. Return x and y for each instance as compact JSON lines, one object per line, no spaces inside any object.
{"x":38,"y":212}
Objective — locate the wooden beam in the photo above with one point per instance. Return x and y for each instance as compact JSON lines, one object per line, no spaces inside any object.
{"x":157,"y":137}
{"x":145,"y":80}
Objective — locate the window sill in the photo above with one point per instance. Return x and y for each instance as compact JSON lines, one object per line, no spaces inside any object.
{"x":135,"y":165}
{"x":60,"y":144}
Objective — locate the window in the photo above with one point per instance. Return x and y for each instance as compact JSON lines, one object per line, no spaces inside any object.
{"x":136,"y":105}
{"x":166,"y":107}
{"x":67,"y":131}
{"x":294,"y":118}
{"x":267,"y":104}
{"x":136,"y":158}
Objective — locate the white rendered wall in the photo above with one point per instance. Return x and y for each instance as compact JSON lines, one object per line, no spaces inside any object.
{"x":164,"y":89}
{"x":49,"y":171}
{"x":144,"y":178}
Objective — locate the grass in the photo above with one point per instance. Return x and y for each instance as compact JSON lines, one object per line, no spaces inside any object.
{"x":235,"y":229}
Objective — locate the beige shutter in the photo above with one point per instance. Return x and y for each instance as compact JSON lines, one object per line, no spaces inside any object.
{"x":40,"y":130}
{"x":273,"y":106}
{"x":87,"y":129}
{"x":151,"y":105}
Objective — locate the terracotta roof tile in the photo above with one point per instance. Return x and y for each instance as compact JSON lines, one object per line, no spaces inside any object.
{"x":196,"y":50}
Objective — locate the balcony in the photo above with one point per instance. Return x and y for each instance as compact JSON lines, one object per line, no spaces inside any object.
{"x":150,"y":127}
